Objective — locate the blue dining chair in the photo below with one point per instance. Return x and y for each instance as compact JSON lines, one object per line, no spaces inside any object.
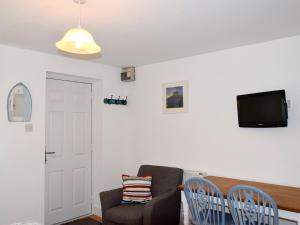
{"x":251,"y":206}
{"x":205,"y":201}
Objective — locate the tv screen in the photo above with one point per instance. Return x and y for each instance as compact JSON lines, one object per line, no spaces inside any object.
{"x":265,"y":109}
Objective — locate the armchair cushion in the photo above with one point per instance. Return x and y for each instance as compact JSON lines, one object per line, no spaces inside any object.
{"x":136,"y":189}
{"x":159,"y":212}
{"x":128,"y":214}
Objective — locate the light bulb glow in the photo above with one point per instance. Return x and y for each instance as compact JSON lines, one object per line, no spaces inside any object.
{"x":78,"y":45}
{"x":78,"y":41}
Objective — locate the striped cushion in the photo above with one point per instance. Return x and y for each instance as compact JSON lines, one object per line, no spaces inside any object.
{"x":136,"y":189}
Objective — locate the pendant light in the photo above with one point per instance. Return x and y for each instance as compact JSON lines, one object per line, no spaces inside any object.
{"x":78,"y":40}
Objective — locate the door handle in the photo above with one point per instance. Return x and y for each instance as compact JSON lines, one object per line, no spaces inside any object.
{"x":49,"y":153}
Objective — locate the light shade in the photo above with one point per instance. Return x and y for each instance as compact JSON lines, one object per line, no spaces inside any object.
{"x":78,"y":41}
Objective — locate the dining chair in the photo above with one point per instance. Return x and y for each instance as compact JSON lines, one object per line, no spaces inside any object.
{"x":251,"y":206}
{"x":206,"y":202}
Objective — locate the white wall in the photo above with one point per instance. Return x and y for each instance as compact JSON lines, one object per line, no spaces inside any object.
{"x":208,"y":137}
{"x":22,"y":154}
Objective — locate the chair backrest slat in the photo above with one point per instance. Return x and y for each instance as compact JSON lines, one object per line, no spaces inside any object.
{"x":251,"y":206}
{"x":206,"y":202}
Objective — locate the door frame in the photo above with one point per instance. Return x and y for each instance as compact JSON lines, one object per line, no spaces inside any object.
{"x":96,"y":121}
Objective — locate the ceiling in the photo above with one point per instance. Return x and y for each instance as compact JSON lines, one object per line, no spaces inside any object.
{"x":139,"y":32}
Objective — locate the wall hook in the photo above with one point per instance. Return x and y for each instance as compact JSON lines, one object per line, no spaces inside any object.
{"x":118,"y":101}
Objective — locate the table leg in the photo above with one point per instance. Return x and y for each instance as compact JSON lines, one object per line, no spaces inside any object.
{"x":185,"y":209}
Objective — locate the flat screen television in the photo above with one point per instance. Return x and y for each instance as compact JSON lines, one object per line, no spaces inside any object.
{"x":265,"y":109}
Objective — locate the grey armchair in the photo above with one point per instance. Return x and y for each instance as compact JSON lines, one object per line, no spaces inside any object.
{"x":163,"y":209}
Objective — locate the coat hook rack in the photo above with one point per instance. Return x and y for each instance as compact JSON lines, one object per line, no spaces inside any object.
{"x":114,"y":101}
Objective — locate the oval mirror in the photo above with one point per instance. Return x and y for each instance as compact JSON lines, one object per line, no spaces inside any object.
{"x":19,"y":104}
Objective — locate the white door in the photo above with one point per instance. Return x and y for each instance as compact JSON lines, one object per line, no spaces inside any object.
{"x":68,"y":150}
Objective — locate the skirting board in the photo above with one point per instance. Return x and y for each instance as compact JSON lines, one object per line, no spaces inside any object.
{"x":96,"y":218}
{"x":97,"y":210}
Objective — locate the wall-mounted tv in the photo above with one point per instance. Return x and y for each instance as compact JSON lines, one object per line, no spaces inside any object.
{"x":265,"y":109}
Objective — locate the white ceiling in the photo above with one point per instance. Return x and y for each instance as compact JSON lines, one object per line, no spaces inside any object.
{"x":139,"y":32}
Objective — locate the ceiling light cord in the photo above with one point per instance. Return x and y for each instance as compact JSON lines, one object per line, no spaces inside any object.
{"x":80,"y":12}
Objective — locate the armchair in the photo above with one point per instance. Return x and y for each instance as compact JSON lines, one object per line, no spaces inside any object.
{"x":163,"y":209}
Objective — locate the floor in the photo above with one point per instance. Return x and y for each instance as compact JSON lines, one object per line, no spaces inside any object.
{"x":85,"y":221}
{"x":94,"y":220}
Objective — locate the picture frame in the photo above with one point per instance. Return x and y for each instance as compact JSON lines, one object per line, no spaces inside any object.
{"x":175,"y":97}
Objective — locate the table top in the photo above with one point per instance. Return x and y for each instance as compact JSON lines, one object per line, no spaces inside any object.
{"x":286,"y":198}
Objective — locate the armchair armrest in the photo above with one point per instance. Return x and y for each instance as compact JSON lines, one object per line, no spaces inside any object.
{"x":163,"y":209}
{"x":110,"y":199}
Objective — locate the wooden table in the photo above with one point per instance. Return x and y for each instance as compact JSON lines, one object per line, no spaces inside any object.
{"x":287,"y":198}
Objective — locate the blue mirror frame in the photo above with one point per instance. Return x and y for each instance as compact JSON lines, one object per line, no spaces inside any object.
{"x":19,"y":109}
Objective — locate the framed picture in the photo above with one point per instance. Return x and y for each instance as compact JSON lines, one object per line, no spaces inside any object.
{"x":175,"y":97}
